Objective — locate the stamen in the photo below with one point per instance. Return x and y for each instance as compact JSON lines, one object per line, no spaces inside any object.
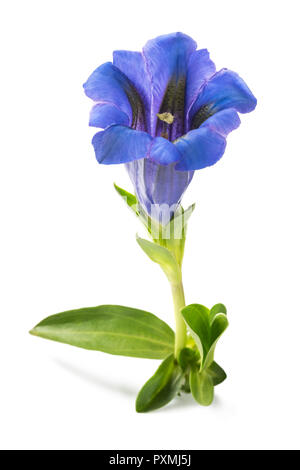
{"x":166,"y":117}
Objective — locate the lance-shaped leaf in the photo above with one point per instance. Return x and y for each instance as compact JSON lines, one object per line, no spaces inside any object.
{"x":202,"y":387}
{"x":129,"y":198}
{"x":112,"y":329}
{"x":133,"y":204}
{"x":163,"y":257}
{"x":162,"y":387}
{"x":204,"y":331}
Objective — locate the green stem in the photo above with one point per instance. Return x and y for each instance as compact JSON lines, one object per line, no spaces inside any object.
{"x":179,"y":302}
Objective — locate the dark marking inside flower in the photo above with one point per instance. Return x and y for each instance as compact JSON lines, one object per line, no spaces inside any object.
{"x":137,"y":106}
{"x":178,"y":109}
{"x":201,"y":115}
{"x":173,"y":103}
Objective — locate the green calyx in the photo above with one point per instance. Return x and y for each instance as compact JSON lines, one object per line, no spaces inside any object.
{"x":170,"y":236}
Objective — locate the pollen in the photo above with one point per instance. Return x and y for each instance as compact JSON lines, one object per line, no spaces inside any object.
{"x":166,"y":117}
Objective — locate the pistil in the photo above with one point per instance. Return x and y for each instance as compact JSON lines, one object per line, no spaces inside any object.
{"x":167,"y":119}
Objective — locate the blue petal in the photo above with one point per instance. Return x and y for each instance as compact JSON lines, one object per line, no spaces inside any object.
{"x":106,"y":114}
{"x":166,"y":60}
{"x":120,"y":144}
{"x":133,"y":65}
{"x":223,"y":122}
{"x":163,"y":151}
{"x":200,"y":148}
{"x":225,"y":90}
{"x":200,"y":69}
{"x":159,"y":188}
{"x":108,"y":84}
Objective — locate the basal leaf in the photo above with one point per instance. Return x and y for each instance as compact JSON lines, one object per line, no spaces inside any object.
{"x":215,"y":310}
{"x":112,"y":329}
{"x":162,"y":387}
{"x":196,"y":317}
{"x":219,"y":325}
{"x":216,"y":372}
{"x":202,"y":387}
{"x":206,"y":327}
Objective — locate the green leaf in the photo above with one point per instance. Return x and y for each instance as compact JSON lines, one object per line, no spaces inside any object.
{"x":163,"y":257}
{"x":196,"y":317}
{"x":133,"y":204}
{"x":219,"y":325}
{"x":204,"y":332}
{"x":129,"y":198}
{"x":162,"y":387}
{"x":218,"y":308}
{"x":202,"y":387}
{"x":112,"y":329}
{"x":217,"y":374}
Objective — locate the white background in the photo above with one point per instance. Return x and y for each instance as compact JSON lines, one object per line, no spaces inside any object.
{"x":67,"y":241}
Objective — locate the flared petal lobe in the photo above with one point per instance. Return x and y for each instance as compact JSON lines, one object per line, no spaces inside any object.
{"x":200,"y":148}
{"x":205,"y":146}
{"x":163,"y":151}
{"x":105,"y":114}
{"x":107,"y":84}
{"x":167,"y":60}
{"x":223,"y":122}
{"x":133,"y":65}
{"x":120,"y":144}
{"x":200,"y":69}
{"x":224,"y":90}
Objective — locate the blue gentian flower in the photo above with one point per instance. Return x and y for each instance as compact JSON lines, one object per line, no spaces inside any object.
{"x":165,"y":112}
